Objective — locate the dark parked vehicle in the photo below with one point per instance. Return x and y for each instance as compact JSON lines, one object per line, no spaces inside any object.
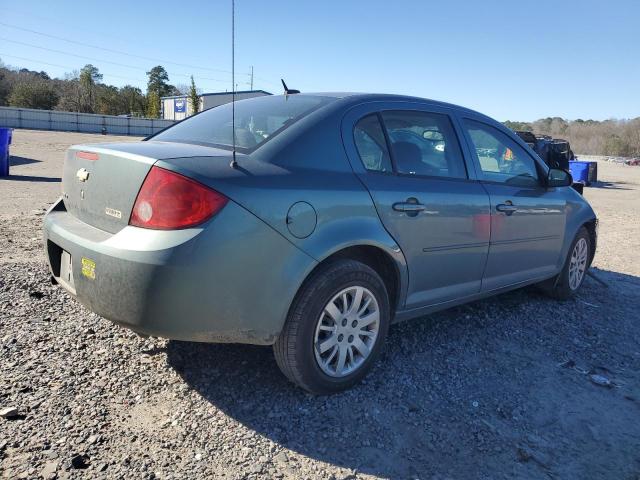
{"x":337,"y":215}
{"x":555,"y":152}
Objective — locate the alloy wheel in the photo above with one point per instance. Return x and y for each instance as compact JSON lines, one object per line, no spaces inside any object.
{"x":578,"y":263}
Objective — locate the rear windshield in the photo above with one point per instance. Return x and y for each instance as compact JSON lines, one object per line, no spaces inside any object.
{"x":257,"y":120}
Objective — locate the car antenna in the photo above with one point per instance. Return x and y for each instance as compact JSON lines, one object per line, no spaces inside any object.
{"x":233,"y":163}
{"x":287,"y":90}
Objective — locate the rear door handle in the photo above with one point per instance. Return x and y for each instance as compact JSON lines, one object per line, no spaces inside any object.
{"x":506,"y":208}
{"x":408,"y":207}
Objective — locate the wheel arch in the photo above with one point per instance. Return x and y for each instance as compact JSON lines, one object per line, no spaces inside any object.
{"x":580,"y":214}
{"x":592,"y":229}
{"x":386,"y":262}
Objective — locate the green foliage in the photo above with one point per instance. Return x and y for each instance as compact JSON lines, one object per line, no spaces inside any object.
{"x":34,"y":93}
{"x":88,"y":78}
{"x":89,"y":75}
{"x":518,"y":125}
{"x":79,"y":91}
{"x":109,"y":101}
{"x":135,"y":103}
{"x":159,"y":82}
{"x":5,"y":89}
{"x":153,"y":105}
{"x":194,"y":98}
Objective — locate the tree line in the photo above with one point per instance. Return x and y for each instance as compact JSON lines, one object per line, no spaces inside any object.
{"x":620,"y":138}
{"x":84,"y":91}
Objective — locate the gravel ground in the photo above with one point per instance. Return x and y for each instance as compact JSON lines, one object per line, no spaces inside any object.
{"x":518,"y":386}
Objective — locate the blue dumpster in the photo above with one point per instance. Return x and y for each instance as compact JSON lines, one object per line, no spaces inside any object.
{"x":5,"y":141}
{"x":579,"y":171}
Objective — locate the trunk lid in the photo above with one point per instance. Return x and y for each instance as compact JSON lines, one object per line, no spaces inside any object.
{"x":100,"y":182}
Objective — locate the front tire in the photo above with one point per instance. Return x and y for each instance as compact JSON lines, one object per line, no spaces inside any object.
{"x":335,"y":329}
{"x":567,"y":283}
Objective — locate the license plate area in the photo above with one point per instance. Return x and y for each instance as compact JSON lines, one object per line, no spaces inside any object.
{"x":66,"y":272}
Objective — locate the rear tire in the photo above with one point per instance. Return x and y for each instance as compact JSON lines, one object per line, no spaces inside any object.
{"x":335,"y":329}
{"x":567,"y":283}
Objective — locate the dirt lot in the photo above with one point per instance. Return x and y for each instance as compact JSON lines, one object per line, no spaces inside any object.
{"x":502,"y":388}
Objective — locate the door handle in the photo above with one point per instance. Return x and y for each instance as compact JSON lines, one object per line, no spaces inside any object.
{"x":408,"y":207}
{"x":507,"y":208}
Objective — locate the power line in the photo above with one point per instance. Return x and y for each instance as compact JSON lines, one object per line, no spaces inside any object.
{"x":75,"y":26}
{"x":104,"y":61}
{"x":264,"y":79}
{"x":93,"y":30}
{"x":65,"y":66}
{"x":138,"y":80}
{"x":120,"y":52}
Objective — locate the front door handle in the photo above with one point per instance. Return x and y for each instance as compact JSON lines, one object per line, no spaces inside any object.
{"x":408,"y":207}
{"x":507,"y":208}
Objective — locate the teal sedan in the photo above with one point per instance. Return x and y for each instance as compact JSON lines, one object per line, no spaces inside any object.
{"x":312,"y":222}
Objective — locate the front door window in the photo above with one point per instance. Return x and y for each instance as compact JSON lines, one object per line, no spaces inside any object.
{"x":501,"y":159}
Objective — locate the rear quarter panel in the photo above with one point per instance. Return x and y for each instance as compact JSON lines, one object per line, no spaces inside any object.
{"x":307,"y":164}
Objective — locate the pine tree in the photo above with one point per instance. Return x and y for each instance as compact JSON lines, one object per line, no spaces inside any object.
{"x":89,"y":77}
{"x":158,"y":82}
{"x":194,"y":98}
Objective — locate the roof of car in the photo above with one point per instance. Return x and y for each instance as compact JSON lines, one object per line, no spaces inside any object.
{"x":372,"y":97}
{"x":362,"y":94}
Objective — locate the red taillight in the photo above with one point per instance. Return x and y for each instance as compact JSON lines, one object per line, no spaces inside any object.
{"x":87,"y":156}
{"x":168,"y":201}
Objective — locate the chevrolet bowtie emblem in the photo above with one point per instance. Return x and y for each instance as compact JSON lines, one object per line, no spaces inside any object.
{"x":82,"y":174}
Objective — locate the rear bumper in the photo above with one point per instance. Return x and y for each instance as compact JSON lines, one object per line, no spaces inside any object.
{"x":230,"y":281}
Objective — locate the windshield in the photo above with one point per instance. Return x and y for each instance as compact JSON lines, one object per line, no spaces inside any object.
{"x":257,"y":120}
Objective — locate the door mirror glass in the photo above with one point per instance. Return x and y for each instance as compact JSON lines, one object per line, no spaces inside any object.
{"x":559,"y":178}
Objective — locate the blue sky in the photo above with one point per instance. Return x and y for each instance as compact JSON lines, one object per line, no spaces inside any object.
{"x":511,"y":60}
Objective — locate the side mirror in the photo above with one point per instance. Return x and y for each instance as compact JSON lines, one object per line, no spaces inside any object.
{"x":559,"y":178}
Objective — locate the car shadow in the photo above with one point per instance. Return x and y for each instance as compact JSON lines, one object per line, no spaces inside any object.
{"x":15,"y":160}
{"x":609,"y":185}
{"x":31,"y":178}
{"x":404,"y":422}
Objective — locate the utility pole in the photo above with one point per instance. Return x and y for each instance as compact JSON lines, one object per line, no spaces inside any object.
{"x":251,"y":77}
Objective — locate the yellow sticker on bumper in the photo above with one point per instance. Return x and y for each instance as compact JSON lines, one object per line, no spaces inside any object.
{"x":89,"y":268}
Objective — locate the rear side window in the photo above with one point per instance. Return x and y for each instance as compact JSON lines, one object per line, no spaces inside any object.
{"x":424,"y":143}
{"x":256,"y":121}
{"x":501,"y":158}
{"x":371,"y":144}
